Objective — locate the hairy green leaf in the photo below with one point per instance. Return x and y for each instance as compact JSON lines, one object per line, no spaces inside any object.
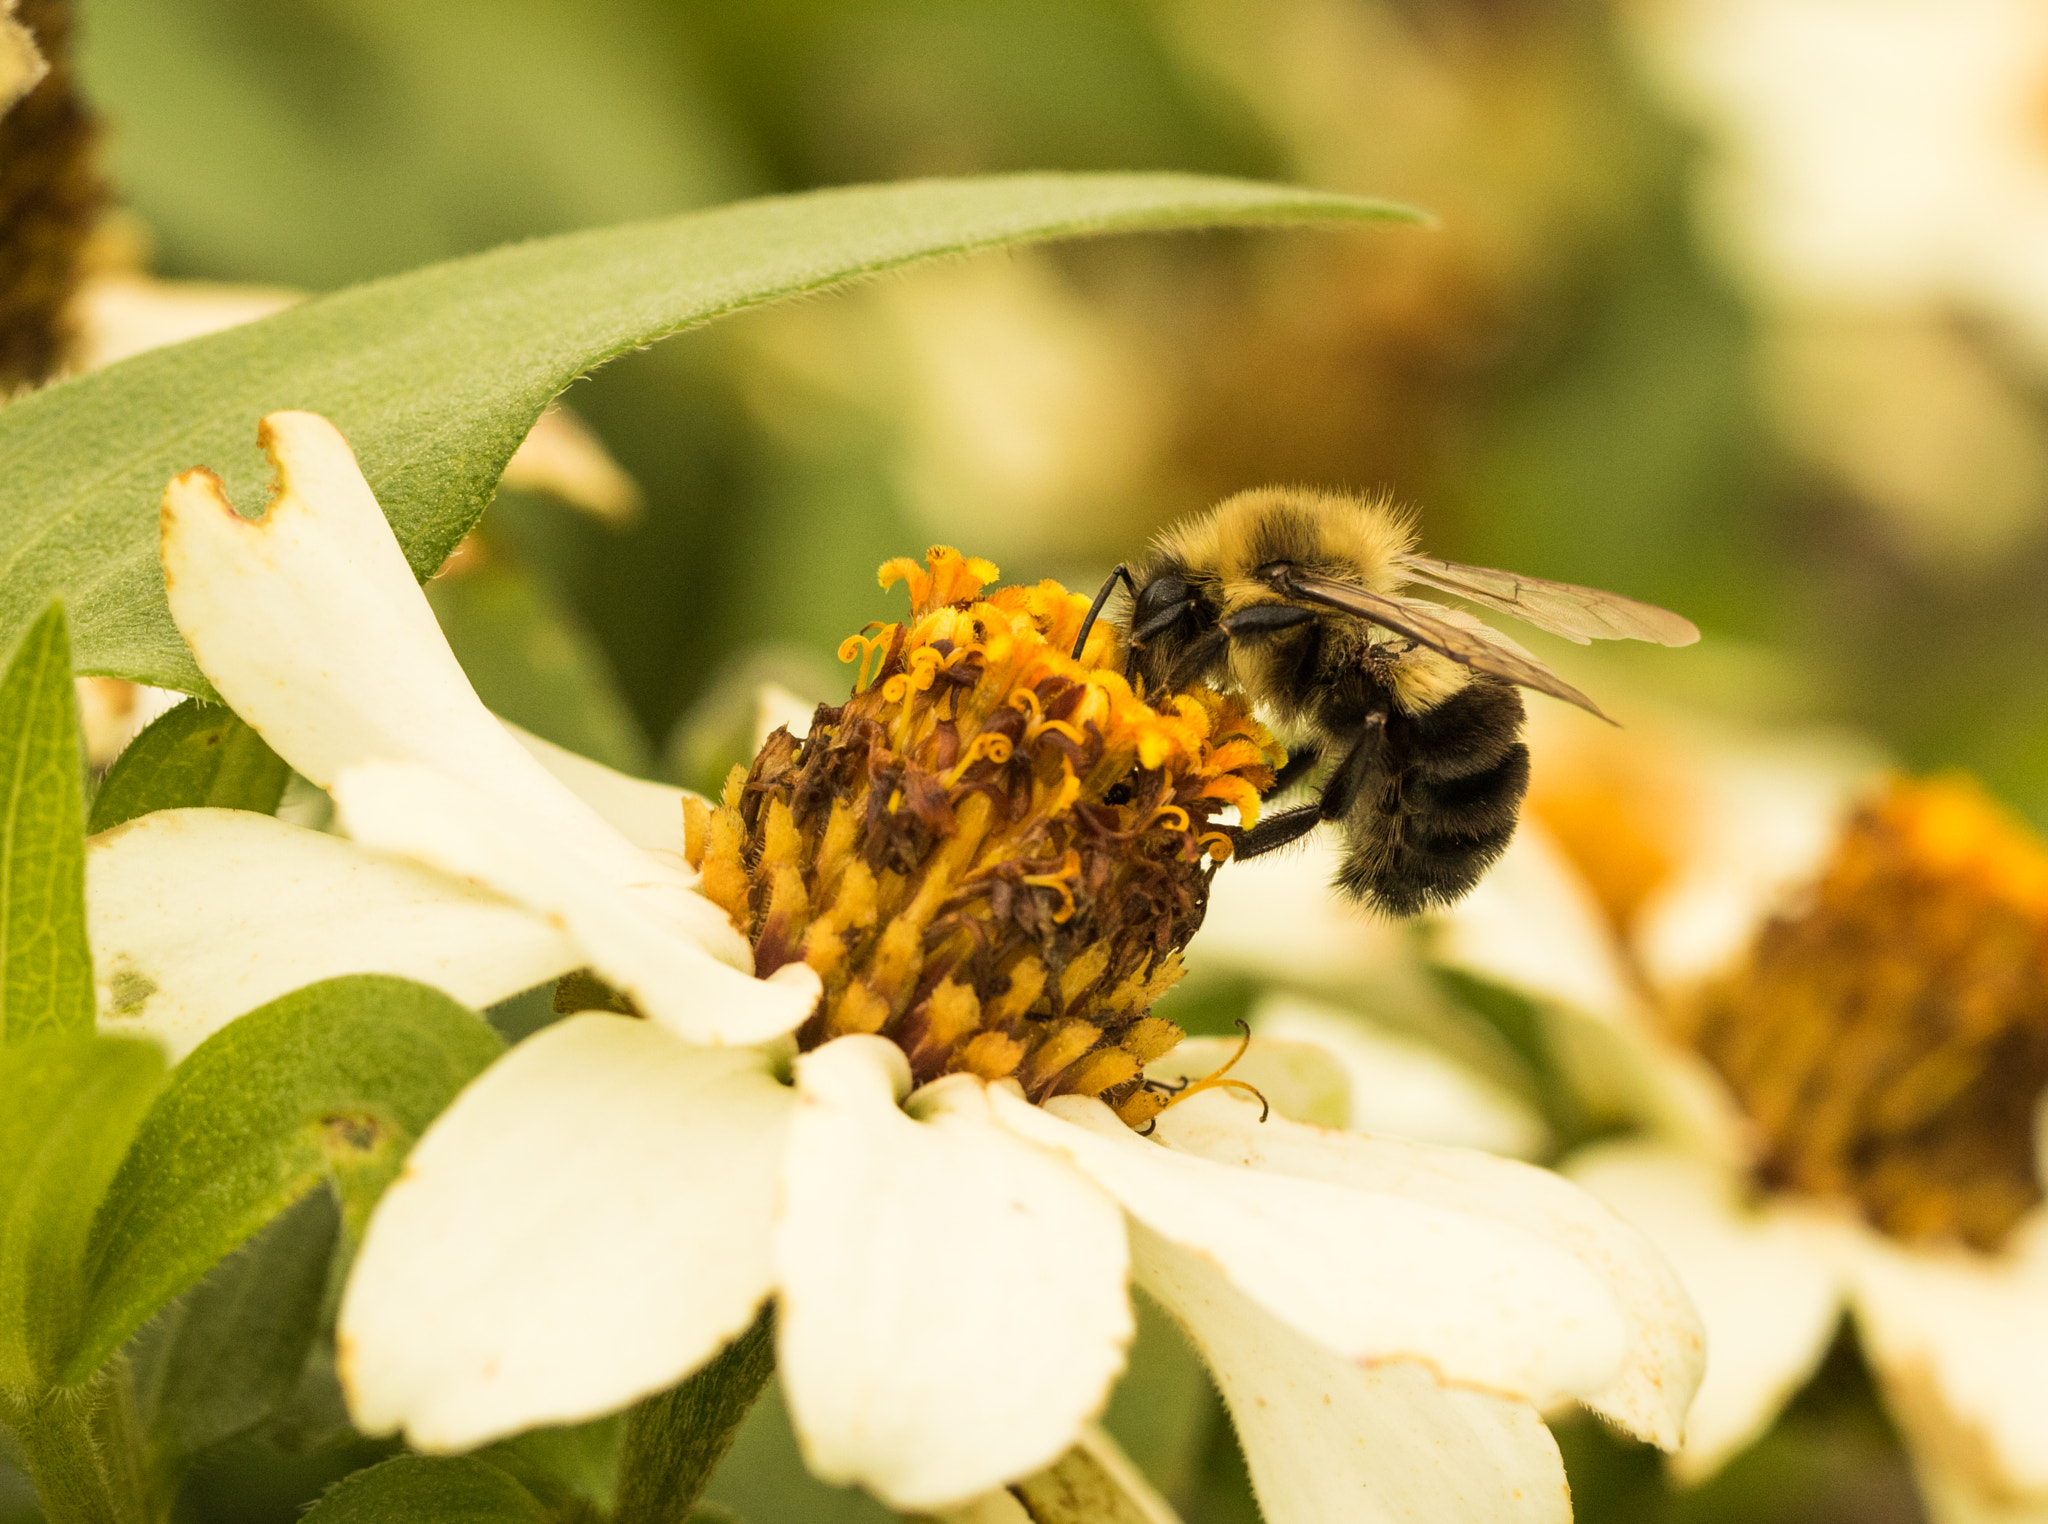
{"x":228,"y":1354}
{"x":68,"y":1107}
{"x":197,"y":754}
{"x":45,"y":964}
{"x":435,"y":376}
{"x":332,"y":1082}
{"x":447,"y":1489}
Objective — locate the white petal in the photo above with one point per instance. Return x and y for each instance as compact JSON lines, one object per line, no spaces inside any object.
{"x":1298,"y":1079}
{"x":1370,"y":1275}
{"x":1651,"y":1383}
{"x":1093,"y":1483}
{"x":1326,"y":1440}
{"x":561,"y":455}
{"x":1765,"y":1284}
{"x":1532,"y":926}
{"x":22,"y":65}
{"x":1959,"y":1342}
{"x":1402,"y":1087}
{"x":196,"y":916}
{"x":647,"y":941}
{"x":310,"y":624}
{"x":953,"y":1306}
{"x":1768,"y":825}
{"x":777,"y":708}
{"x":649,"y":815}
{"x":1277,"y":916}
{"x":586,"y":1224}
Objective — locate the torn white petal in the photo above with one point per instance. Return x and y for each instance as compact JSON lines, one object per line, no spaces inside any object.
{"x":587,"y":1223}
{"x":1325,"y":1439}
{"x":310,"y":624}
{"x":649,"y":943}
{"x":952,"y":1299}
{"x":197,"y":916}
{"x":1656,"y":1369}
{"x":1367,"y":1273}
{"x":1765,"y":1283}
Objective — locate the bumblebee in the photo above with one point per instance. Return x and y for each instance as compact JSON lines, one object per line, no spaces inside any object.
{"x":1295,"y":597}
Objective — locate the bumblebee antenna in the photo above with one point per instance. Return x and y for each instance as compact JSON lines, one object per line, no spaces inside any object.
{"x":1121,"y":574}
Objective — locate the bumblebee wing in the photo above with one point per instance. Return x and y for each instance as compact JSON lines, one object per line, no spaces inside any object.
{"x":1580,"y":614}
{"x":1472,"y":645}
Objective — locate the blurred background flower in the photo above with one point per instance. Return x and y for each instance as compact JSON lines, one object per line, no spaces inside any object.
{"x":1740,"y":306}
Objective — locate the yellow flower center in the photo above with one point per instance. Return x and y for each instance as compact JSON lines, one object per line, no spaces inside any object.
{"x":992,"y":853}
{"x":1889,"y":1034}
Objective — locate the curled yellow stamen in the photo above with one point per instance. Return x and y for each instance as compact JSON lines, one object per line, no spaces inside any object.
{"x":989,"y":745}
{"x":1218,"y":1080}
{"x":1069,"y":868}
{"x":1166,"y":810}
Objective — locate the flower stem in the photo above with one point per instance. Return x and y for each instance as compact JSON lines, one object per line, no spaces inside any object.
{"x":674,"y":1440}
{"x":83,"y":1450}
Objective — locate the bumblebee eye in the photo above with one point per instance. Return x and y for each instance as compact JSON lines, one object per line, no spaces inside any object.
{"x":1119,"y":793}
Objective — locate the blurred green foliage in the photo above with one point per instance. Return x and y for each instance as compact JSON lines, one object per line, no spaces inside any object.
{"x":1559,"y":377}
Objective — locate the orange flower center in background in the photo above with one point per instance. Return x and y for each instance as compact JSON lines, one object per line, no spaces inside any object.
{"x":992,"y":853}
{"x":1889,"y":1034}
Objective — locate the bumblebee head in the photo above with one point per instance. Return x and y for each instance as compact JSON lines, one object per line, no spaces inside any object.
{"x":1173,"y":633}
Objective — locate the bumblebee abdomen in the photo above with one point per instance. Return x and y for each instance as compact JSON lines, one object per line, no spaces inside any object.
{"x":1445,"y":808}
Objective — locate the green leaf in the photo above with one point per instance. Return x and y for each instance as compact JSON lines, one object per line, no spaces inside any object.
{"x":196,"y":754}
{"x":331,"y":1082}
{"x":675,"y":1439}
{"x":45,"y":964}
{"x":568,"y":1464}
{"x":229,"y":1353}
{"x":435,"y":376}
{"x":428,"y":1489}
{"x":68,"y":1107}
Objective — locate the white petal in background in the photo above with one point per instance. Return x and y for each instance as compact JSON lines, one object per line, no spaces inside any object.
{"x":652,"y":944}
{"x":589,"y":1222}
{"x":310,"y":624}
{"x":1959,"y":1342}
{"x":1656,"y":1357}
{"x":1328,"y":1440}
{"x":649,"y":815}
{"x":1278,"y":917}
{"x":1367,"y":1274}
{"x":953,"y":1307}
{"x":1533,"y":927}
{"x":1766,"y":1285}
{"x":1093,"y":1483}
{"x":1403,"y":1087}
{"x":1298,"y":1079}
{"x":197,"y":916}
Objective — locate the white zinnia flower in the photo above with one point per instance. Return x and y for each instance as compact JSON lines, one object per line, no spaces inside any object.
{"x":1834,"y":1018}
{"x":602,"y":1210}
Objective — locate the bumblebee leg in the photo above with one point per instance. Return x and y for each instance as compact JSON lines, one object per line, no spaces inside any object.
{"x":1265,"y":619}
{"x":1276,"y":831}
{"x":1341,"y":792}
